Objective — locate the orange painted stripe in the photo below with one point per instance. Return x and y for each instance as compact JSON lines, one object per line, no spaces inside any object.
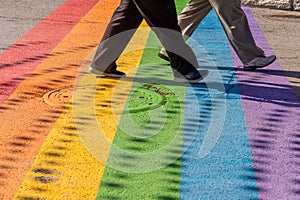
{"x":25,"y":119}
{"x":66,"y":167}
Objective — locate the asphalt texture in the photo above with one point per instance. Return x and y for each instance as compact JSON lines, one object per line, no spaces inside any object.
{"x":282,"y":28}
{"x":18,"y":17}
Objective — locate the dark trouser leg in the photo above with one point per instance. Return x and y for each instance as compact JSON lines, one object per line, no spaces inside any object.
{"x":119,"y":31}
{"x":162,"y":18}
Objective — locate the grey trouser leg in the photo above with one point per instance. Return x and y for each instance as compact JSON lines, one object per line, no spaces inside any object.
{"x":233,"y":20}
{"x":161,"y":17}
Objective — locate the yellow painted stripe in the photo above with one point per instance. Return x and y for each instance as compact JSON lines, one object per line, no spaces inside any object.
{"x":64,"y":168}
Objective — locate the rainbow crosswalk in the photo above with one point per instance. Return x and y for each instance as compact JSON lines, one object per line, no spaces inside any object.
{"x":233,"y":136}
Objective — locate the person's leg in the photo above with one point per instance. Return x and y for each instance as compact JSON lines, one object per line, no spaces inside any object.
{"x":235,"y":24}
{"x":189,"y":19}
{"x":162,"y":18}
{"x":119,"y":31}
{"x":192,"y":15}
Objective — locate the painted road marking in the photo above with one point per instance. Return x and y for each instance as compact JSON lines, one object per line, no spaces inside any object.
{"x":64,"y":168}
{"x":28,"y":52}
{"x":225,"y":170}
{"x":137,"y":171}
{"x":28,"y":119}
{"x":77,"y":171}
{"x":272,"y":115}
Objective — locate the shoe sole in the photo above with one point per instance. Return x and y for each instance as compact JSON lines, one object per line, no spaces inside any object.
{"x":203,"y":73}
{"x":249,"y":68}
{"x":164,"y":57}
{"x":98,"y":72}
{"x":113,"y":75}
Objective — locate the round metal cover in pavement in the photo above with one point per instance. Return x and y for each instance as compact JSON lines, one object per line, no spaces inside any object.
{"x":59,"y":97}
{"x":145,"y":98}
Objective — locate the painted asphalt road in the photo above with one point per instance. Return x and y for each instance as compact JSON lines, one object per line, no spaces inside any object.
{"x":18,"y":17}
{"x":272,"y":120}
{"x":234,"y":136}
{"x":220,"y":173}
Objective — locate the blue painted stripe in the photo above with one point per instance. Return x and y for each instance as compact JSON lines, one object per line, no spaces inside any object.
{"x":218,"y":163}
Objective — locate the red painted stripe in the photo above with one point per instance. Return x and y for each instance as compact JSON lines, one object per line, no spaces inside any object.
{"x":28,"y":52}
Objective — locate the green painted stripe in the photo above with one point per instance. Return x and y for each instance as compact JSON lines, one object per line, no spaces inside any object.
{"x":133,"y":136}
{"x":148,"y":134}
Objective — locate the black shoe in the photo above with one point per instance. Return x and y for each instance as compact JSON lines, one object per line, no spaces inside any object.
{"x":259,"y":62}
{"x":191,"y":77}
{"x":163,"y":56}
{"x":112,"y":74}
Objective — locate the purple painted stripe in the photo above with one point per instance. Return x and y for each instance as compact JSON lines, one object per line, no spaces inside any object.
{"x":272,"y":118}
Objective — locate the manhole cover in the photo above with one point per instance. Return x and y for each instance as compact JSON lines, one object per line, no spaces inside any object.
{"x":142,"y":99}
{"x":284,"y":17}
{"x":145,"y":98}
{"x":59,"y":97}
